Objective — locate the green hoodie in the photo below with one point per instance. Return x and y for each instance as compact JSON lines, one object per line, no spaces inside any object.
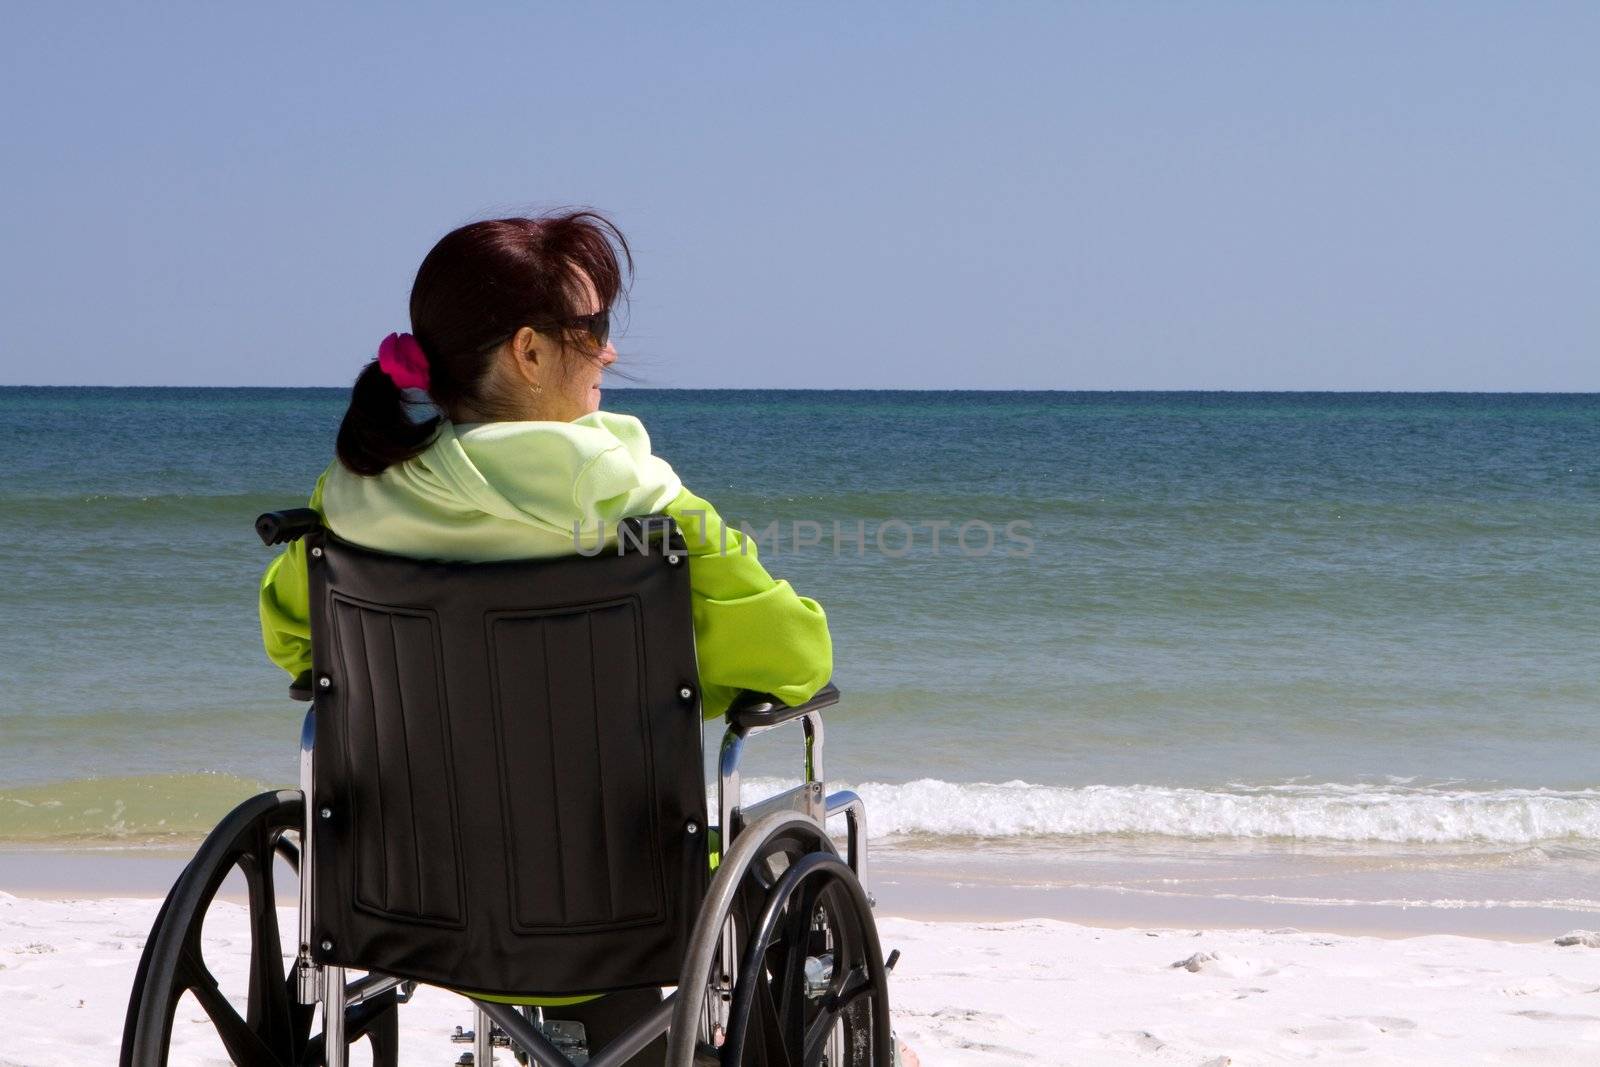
{"x":517,"y":490}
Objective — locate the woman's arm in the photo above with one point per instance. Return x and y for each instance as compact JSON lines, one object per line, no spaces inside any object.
{"x":286,"y":611}
{"x":285,"y":604}
{"x":751,"y":631}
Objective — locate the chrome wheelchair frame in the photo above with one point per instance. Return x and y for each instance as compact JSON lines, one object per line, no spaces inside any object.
{"x":329,"y":987}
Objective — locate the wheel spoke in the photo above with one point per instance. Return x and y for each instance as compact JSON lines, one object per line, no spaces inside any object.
{"x":383,"y":1033}
{"x":774,"y":1048}
{"x":376,"y":1019}
{"x":792,"y":978}
{"x":244,"y":1047}
{"x":817,"y":1035}
{"x":290,"y":851}
{"x":269,"y":1013}
{"x":845,"y":926}
{"x":856,"y":986}
{"x":369,"y":1017}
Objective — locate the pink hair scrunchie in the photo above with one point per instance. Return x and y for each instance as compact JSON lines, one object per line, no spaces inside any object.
{"x":404,"y":361}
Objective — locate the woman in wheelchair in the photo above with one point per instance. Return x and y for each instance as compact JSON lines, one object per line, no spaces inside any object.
{"x":510,"y":324}
{"x":506,"y":797}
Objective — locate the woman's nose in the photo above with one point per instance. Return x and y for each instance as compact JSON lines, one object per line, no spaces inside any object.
{"x":608,"y":355}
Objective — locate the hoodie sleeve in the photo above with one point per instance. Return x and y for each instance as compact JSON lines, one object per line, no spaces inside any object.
{"x":751,"y":631}
{"x":285,"y":604}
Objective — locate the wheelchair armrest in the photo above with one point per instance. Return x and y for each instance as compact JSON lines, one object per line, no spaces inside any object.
{"x":752,"y":711}
{"x":277,"y":527}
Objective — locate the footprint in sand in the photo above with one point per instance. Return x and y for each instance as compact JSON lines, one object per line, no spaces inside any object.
{"x":993,"y":1050}
{"x":1148,"y":1044}
{"x":1145,"y":1041}
{"x":970,"y":1044}
{"x":1445,"y":981}
{"x":967,"y":1015}
{"x":1549,"y":986}
{"x":1384,"y":1024}
{"x":1556,"y":1016}
{"x":1329,"y":1031}
{"x":1227,"y":966}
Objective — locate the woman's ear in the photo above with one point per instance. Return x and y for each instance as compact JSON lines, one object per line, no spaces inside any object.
{"x":526,"y":350}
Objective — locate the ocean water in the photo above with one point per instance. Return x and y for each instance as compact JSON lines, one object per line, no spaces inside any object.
{"x":1323,"y":621}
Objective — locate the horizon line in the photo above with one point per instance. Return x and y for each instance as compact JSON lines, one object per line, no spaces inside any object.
{"x":905,"y":389}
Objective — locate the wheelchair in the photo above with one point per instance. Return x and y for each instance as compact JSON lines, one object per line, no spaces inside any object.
{"x":502,"y":796}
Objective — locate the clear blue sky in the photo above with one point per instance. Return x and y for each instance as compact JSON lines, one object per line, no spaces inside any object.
{"x":1121,"y":195}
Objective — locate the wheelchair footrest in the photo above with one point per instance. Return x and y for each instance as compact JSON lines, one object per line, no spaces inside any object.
{"x":569,"y":1036}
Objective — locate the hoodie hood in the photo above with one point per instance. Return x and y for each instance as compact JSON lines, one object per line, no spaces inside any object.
{"x":504,"y":490}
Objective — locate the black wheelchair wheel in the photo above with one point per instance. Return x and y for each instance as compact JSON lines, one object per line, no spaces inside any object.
{"x":275,"y":1030}
{"x":810,"y":988}
{"x":811,"y":977}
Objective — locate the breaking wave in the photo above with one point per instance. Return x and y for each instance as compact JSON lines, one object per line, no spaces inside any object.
{"x":1331,"y":812}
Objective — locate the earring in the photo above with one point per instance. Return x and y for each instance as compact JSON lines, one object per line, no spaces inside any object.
{"x":536,"y":387}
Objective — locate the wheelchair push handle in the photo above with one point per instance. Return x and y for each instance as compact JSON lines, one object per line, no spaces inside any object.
{"x":280,"y":527}
{"x":752,"y":711}
{"x":638,"y":532}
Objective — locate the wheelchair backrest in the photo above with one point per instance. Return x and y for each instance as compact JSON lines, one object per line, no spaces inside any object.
{"x":508,"y":791}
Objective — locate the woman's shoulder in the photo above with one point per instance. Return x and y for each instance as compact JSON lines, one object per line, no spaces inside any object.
{"x":601,"y":464}
{"x":572,"y":443}
{"x":626,"y":430}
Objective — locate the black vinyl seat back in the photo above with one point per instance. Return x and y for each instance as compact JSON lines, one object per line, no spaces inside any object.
{"x":508,"y":792}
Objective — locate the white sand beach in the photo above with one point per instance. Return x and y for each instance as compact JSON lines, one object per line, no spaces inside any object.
{"x":965,"y":993}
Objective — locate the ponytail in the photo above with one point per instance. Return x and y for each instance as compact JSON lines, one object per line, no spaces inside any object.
{"x":378,"y":430}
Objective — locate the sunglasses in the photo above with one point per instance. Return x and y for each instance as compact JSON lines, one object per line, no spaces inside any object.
{"x":597,"y":326}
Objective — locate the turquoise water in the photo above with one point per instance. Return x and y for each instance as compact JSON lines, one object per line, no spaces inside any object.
{"x":1355,"y":617}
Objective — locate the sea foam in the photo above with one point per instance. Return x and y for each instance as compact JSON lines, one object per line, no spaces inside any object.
{"x":1332,"y":812}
